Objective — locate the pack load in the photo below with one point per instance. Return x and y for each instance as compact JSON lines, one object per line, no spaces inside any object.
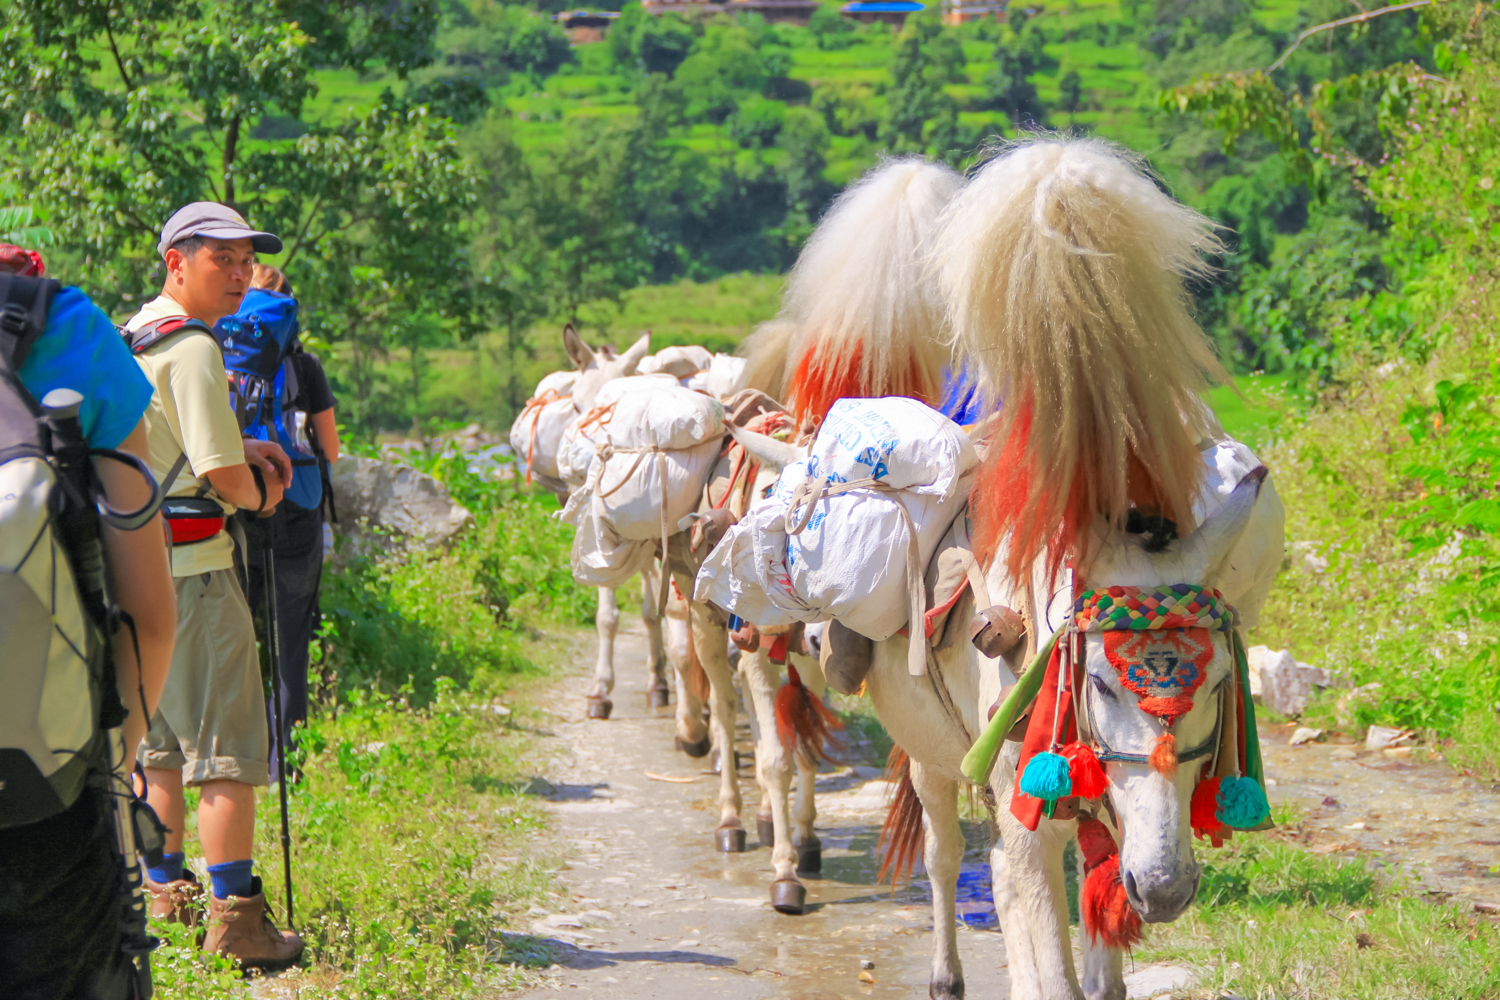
{"x":680,"y":362}
{"x":583,"y":436}
{"x":536,"y":435}
{"x":656,"y":444}
{"x":846,"y":533}
{"x":259,"y":342}
{"x":724,"y":376}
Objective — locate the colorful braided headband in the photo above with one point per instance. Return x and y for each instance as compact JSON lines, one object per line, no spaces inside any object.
{"x":1178,"y":605}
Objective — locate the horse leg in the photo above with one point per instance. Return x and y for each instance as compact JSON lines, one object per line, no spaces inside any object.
{"x":765,"y":827}
{"x":805,"y":809}
{"x":773,"y":764}
{"x":692,"y":732}
{"x":607,"y":623}
{"x":1103,"y":967}
{"x":943,"y":855}
{"x":1034,"y":863}
{"x":656,"y":652}
{"x":710,"y":643}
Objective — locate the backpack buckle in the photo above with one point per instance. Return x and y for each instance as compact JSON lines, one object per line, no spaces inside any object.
{"x":13,"y":319}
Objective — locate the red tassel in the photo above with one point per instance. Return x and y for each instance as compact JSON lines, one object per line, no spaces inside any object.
{"x":1163,"y":757}
{"x":803,"y":722}
{"x":1106,"y":911}
{"x":1096,"y":843}
{"x":1089,"y":779}
{"x":1204,"y":812}
{"x":902,"y":838}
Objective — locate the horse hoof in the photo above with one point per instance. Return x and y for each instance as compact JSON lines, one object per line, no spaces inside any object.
{"x":952,"y":989}
{"x":599,"y":708}
{"x":810,"y":856}
{"x":699,"y":749}
{"x":766,"y":831}
{"x":656,"y":697}
{"x":730,"y":839}
{"x":789,"y":896}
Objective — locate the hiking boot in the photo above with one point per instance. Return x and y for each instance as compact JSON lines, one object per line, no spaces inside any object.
{"x":240,"y":928}
{"x":179,"y":901}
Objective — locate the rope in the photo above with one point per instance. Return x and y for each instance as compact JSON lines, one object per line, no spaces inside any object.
{"x":537,"y":403}
{"x":606,"y":451}
{"x":810,"y":492}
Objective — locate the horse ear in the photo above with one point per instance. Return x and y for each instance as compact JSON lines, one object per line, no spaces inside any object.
{"x":1211,"y":544}
{"x":637,"y":351}
{"x":577,"y":350}
{"x":769,"y":451}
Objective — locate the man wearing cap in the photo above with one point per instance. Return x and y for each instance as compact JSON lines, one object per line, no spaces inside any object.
{"x":209,"y":730}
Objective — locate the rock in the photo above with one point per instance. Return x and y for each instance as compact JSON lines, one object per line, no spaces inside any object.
{"x":1344,"y":753}
{"x":1285,"y":684}
{"x":865,"y":963}
{"x":1304,"y":735}
{"x":1154,"y":980}
{"x":374,"y":497}
{"x":1397,"y":751}
{"x":866,"y":976}
{"x":1380,"y":737}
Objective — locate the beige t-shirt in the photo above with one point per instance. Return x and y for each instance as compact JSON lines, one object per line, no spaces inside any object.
{"x":189,"y":414}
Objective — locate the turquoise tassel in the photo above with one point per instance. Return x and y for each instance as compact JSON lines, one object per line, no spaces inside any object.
{"x":1046,"y":777}
{"x":1242,"y":803}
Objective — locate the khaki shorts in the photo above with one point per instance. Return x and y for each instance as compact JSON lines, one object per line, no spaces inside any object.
{"x":212,"y":718}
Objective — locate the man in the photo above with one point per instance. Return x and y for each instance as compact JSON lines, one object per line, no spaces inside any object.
{"x":210,"y":728}
{"x":60,"y":914}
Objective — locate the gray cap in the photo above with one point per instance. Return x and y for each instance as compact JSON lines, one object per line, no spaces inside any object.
{"x":209,"y":218}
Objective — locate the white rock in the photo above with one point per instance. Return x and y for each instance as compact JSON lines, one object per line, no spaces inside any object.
{"x":1285,"y":684}
{"x":1380,"y":737}
{"x":395,"y":498}
{"x":1305,"y":734}
{"x":1154,"y":980}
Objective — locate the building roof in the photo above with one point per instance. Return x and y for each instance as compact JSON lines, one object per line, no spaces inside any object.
{"x":883,"y":7}
{"x":568,"y":15}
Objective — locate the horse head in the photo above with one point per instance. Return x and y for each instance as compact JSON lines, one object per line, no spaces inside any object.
{"x":1139,"y":687}
{"x":597,"y":367}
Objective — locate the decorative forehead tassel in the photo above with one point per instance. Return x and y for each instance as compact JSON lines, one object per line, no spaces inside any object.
{"x":1046,"y":777}
{"x":1242,"y":803}
{"x":1088,"y":778}
{"x":1163,"y":757}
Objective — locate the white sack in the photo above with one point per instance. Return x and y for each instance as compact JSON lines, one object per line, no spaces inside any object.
{"x":896,"y":440}
{"x":575,"y":451}
{"x":848,"y":564}
{"x":634,"y":504}
{"x":655,"y":411}
{"x":723,"y":378}
{"x":558,"y":382}
{"x":678,"y":362}
{"x":537,"y":434}
{"x":601,"y":558}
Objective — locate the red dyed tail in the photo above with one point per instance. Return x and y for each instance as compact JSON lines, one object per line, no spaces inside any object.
{"x":902,"y":839}
{"x":803,"y":722}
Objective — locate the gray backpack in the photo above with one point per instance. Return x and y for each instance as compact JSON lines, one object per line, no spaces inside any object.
{"x":58,"y":700}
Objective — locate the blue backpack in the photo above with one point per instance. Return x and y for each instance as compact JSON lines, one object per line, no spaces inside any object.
{"x":258,"y":343}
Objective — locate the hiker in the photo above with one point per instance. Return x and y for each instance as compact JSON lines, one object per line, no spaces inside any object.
{"x":60,"y":906}
{"x":297,"y":526}
{"x":209,"y":730}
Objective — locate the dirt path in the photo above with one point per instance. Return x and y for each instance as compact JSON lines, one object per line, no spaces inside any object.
{"x":655,"y":912}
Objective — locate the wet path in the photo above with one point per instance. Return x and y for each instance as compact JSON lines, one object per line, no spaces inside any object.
{"x":656,"y":912}
{"x":1441,"y":829}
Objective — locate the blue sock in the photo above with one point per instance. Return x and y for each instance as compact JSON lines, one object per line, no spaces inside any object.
{"x":232,"y":878}
{"x":170,"y":870}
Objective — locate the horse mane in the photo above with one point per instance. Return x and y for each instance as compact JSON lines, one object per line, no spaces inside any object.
{"x":765,"y":352}
{"x":867,"y":315}
{"x":1062,"y":266}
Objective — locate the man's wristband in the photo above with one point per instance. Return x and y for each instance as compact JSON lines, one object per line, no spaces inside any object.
{"x":260,"y":484}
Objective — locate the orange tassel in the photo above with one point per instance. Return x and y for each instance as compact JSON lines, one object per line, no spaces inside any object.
{"x":1163,"y":757}
{"x":1089,"y":779}
{"x":803,"y":722}
{"x":1106,"y":910}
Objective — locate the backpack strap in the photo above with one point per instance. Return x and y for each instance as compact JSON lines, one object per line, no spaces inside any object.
{"x":158,"y":330}
{"x":24,"y":303}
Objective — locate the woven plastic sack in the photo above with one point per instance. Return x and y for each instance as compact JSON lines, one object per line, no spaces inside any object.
{"x":723,"y":378}
{"x":601,"y":558}
{"x":558,"y":382}
{"x":679,"y":362}
{"x":901,"y":442}
{"x":537,"y":434}
{"x":1252,"y":564}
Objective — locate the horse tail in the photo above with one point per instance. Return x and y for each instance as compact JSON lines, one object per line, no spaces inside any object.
{"x":803,"y":722}
{"x":697,"y":677}
{"x":902,"y":839}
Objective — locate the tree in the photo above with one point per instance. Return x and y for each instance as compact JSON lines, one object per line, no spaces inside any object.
{"x":1070,"y":91}
{"x":116,"y":115}
{"x":805,"y":138}
{"x":926,"y":57}
{"x":1008,"y":87}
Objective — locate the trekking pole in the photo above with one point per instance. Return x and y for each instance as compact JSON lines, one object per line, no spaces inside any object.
{"x":273,"y":639}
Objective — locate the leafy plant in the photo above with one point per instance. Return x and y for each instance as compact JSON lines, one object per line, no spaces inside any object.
{"x":18,"y":226}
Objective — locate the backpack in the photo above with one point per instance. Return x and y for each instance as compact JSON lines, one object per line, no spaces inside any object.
{"x":260,"y":344}
{"x":57,"y":620}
